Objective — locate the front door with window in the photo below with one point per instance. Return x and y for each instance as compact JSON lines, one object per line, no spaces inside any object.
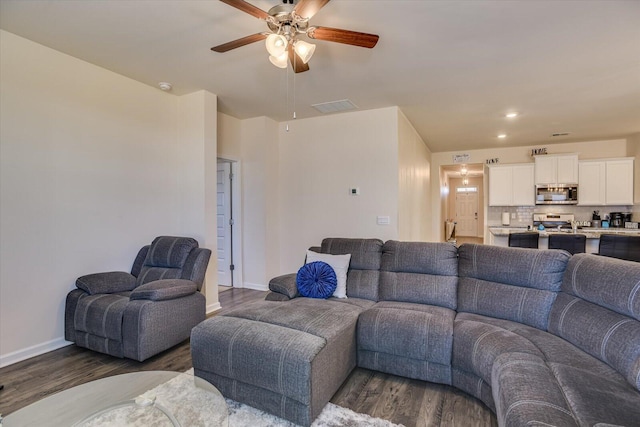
{"x":467,"y":211}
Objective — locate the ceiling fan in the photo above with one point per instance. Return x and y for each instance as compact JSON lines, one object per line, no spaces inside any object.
{"x":287,"y":22}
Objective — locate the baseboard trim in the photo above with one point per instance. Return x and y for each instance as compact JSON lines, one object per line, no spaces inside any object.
{"x":255,"y":286}
{"x":212,"y":308}
{"x":29,"y":352}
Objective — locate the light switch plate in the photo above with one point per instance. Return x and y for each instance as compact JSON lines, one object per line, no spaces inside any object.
{"x":383,"y":220}
{"x":354,"y":191}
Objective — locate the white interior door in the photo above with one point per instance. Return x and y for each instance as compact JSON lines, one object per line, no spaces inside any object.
{"x":466,"y":213}
{"x":224,"y":224}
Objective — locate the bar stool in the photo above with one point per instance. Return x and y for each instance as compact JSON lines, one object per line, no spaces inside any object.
{"x":572,"y":243}
{"x":620,"y":246}
{"x":524,"y":240}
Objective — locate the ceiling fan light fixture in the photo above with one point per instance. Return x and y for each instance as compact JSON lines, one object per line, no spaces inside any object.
{"x":304,"y":50}
{"x":276,"y":44}
{"x":279,"y":61}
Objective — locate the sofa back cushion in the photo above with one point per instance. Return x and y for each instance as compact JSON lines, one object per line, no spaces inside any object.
{"x":598,"y":311}
{"x":515,"y":284}
{"x":363,"y":275}
{"x":165,"y":258}
{"x":419,"y":272}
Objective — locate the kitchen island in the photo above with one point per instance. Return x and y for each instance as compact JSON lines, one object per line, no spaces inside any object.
{"x":499,"y":235}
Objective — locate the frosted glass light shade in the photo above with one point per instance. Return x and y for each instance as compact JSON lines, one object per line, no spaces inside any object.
{"x":304,"y":50}
{"x":279,"y":61}
{"x":276,"y":44}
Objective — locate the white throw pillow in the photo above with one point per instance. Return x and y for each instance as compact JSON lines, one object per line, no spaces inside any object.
{"x":340,"y":264}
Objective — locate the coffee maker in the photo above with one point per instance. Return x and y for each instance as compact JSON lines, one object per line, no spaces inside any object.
{"x":617,"y":219}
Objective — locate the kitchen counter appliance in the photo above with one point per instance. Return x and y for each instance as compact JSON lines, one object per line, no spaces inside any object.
{"x":618,"y":219}
{"x":556,"y":194}
{"x":552,"y":220}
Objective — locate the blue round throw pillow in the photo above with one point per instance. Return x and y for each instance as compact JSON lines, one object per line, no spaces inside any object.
{"x":316,"y":280}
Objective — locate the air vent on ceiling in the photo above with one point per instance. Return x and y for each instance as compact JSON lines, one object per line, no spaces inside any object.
{"x":335,"y":106}
{"x":560,"y":134}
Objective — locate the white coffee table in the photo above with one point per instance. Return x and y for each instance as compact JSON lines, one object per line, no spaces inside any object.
{"x":145,"y":398}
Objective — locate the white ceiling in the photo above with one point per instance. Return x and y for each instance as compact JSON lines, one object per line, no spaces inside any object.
{"x":453,"y":67}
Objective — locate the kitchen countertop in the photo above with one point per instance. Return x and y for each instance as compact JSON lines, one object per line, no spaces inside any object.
{"x":590,"y":232}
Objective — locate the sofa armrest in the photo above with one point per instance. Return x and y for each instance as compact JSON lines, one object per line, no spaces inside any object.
{"x":274,"y":296}
{"x":106,"y":283}
{"x":285,"y":285}
{"x":162,"y":290}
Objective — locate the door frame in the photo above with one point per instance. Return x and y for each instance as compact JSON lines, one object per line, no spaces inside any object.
{"x":236,"y":214}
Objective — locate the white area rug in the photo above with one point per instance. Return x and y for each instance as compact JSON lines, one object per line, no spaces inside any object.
{"x":241,"y":415}
{"x":172,"y":394}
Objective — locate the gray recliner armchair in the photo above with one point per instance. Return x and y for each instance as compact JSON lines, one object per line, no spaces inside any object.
{"x":139,"y":314}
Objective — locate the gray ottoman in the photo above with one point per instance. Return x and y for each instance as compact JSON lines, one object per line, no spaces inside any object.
{"x":286,"y":358}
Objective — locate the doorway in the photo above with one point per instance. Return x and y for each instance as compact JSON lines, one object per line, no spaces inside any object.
{"x":227,"y":225}
{"x":464,"y":202}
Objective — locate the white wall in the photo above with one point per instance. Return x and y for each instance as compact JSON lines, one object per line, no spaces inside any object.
{"x":197,"y":136}
{"x":320,"y":159}
{"x":259,"y":152}
{"x":229,"y":129}
{"x":585,"y":150}
{"x":91,"y":169}
{"x":414,"y":190}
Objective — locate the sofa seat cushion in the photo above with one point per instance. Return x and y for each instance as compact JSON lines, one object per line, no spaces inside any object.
{"x":526,"y":392}
{"x":412,"y":340}
{"x":592,"y":396}
{"x":478,"y":341}
{"x":322,"y":318}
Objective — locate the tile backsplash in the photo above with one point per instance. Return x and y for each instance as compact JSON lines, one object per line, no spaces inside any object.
{"x":524,"y":214}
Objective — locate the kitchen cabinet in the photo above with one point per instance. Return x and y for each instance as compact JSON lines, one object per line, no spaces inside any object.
{"x":556,"y":169}
{"x":606,"y":182}
{"x":511,"y":185}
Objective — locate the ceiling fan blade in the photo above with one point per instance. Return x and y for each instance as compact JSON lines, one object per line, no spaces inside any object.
{"x":343,"y":36}
{"x":247,"y":8}
{"x":239,"y":43}
{"x":296,"y":62}
{"x":307,"y":8}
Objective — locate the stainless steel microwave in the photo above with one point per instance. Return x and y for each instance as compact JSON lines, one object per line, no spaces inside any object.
{"x":556,"y":194}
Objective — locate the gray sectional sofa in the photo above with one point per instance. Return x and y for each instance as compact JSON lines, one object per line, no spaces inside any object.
{"x":541,"y":337}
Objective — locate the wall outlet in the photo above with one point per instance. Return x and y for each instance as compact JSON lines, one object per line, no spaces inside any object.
{"x":513,"y":215}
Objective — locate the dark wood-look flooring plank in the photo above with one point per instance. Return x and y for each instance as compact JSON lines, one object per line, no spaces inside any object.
{"x":400,"y":400}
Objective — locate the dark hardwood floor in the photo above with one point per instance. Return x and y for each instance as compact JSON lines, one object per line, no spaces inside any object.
{"x":400,"y":400}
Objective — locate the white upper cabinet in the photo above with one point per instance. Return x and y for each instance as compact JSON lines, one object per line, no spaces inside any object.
{"x":523,"y":186}
{"x":606,"y":182}
{"x":511,"y":185}
{"x":556,"y":169}
{"x":619,"y":182}
{"x":591,"y":185}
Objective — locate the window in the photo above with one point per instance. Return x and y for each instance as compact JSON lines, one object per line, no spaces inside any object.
{"x":467,"y":189}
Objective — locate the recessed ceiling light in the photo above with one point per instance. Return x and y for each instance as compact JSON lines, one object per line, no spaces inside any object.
{"x":511,"y":115}
{"x":502,"y":136}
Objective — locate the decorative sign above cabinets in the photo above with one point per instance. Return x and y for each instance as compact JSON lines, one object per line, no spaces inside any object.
{"x":492,"y":161}
{"x":538,"y":151}
{"x":461,"y":158}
